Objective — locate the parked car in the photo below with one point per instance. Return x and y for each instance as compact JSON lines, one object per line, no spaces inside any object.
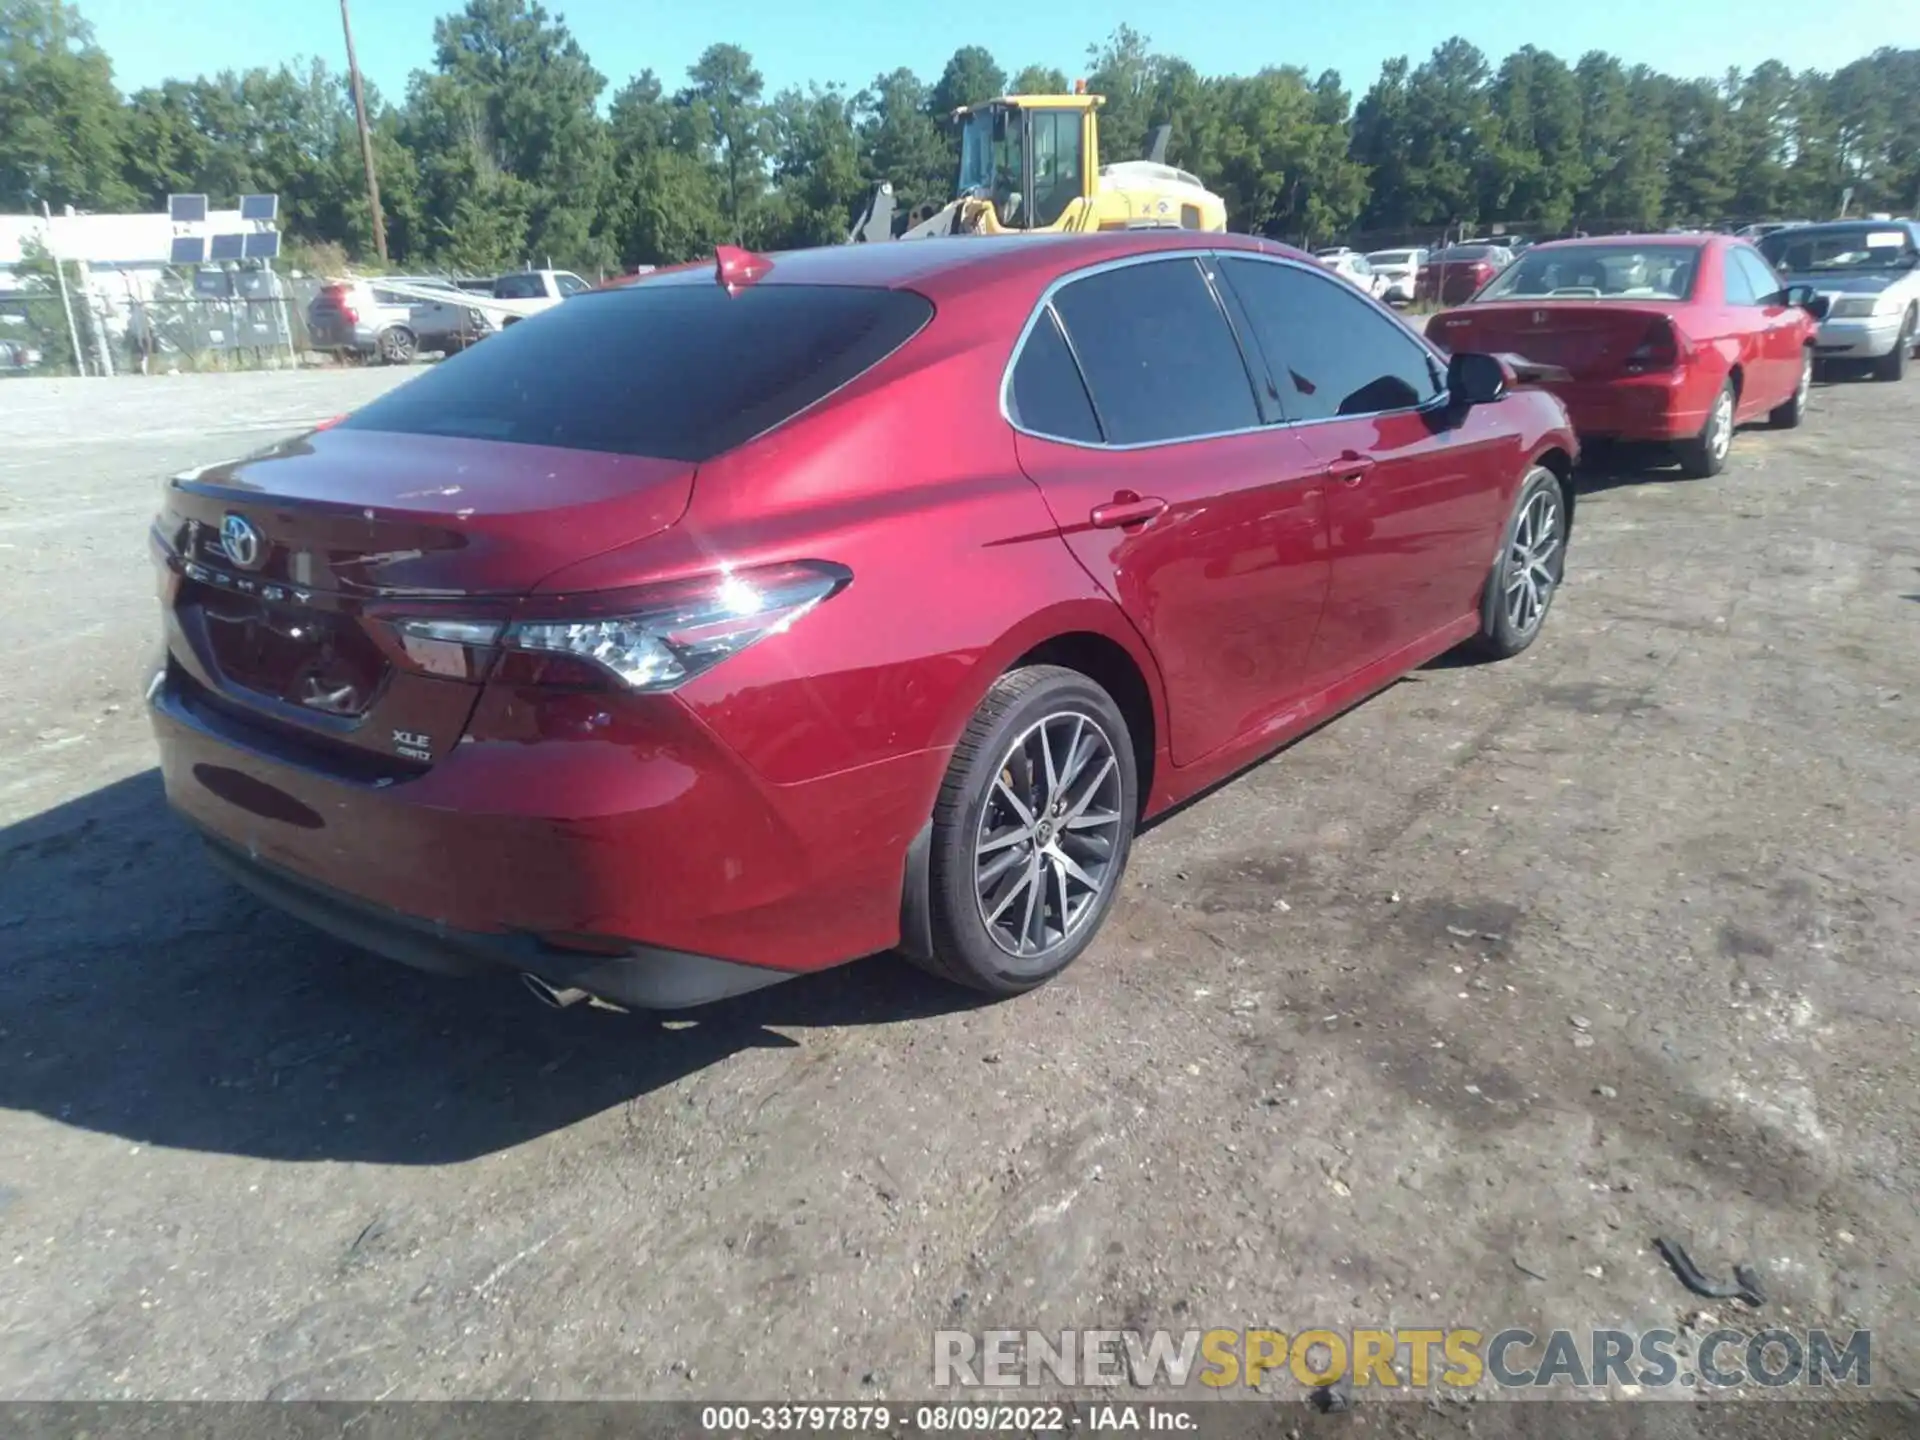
{"x":477,"y":284}
{"x":1869,"y":272}
{"x":1352,"y":266}
{"x":531,"y":291}
{"x":1400,"y":269}
{"x":1669,"y":338}
{"x":17,"y":357}
{"x":1452,"y":276}
{"x":392,"y":319}
{"x":995,"y":550}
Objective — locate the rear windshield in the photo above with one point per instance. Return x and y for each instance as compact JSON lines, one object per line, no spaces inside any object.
{"x":1600,"y":272}
{"x":676,"y":371}
{"x":1465,"y":252}
{"x":520,"y":287}
{"x":1390,"y":257}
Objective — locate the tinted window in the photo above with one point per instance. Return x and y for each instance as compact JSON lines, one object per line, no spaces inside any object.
{"x":1048,"y":395}
{"x":1329,"y":351}
{"x":678,"y":371}
{"x":519,"y":287}
{"x":1157,"y":352}
{"x":1766,"y":284}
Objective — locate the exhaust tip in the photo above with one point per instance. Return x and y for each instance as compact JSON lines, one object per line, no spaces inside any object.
{"x":553,"y":996}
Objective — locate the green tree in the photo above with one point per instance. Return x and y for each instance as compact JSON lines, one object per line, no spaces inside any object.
{"x":508,"y":120}
{"x":902,"y":143}
{"x":1706,"y":153}
{"x":60,"y":116}
{"x":971,"y":76}
{"x":1038,"y":80}
{"x":731,"y":123}
{"x":817,"y":179}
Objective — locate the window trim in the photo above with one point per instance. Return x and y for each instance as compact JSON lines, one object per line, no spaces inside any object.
{"x":1256,"y":383}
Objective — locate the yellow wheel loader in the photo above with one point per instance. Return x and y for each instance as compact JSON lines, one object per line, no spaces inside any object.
{"x":1030,"y":164}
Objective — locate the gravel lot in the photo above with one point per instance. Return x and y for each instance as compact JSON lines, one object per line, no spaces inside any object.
{"x":1436,"y":1018}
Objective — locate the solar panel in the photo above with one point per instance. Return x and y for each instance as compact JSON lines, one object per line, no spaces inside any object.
{"x":188,"y":250}
{"x":263,"y":245}
{"x":187,"y":209}
{"x":228,"y":247}
{"x":260,"y":207}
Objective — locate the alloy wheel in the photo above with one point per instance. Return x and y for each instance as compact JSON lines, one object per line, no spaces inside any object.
{"x":1049,"y":832}
{"x":1720,"y":426}
{"x":1530,"y":562}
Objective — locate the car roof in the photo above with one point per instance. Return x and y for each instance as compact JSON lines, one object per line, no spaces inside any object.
{"x":967,"y":259}
{"x":1698,"y":242}
{"x":1832,"y":226}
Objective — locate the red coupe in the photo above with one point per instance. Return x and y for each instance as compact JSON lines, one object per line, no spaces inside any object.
{"x":1670,"y":338}
{"x":742,"y":620}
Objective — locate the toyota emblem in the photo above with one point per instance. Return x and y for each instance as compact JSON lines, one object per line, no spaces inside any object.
{"x":241,"y":542}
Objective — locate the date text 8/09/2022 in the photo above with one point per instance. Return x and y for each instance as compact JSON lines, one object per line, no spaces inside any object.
{"x":935,"y":1418}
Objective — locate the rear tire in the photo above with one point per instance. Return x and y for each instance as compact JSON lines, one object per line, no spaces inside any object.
{"x":1532,"y":563}
{"x":1049,"y":744}
{"x":1706,"y":453}
{"x":397,"y":345}
{"x":1789,"y":415}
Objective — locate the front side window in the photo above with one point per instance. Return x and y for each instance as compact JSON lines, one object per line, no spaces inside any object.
{"x":571,"y":284}
{"x":1329,"y":352}
{"x":1159,"y":357}
{"x":1738,"y":283}
{"x":1766,"y":284}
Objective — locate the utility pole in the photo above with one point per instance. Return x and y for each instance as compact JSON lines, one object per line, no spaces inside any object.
{"x":366,"y":139}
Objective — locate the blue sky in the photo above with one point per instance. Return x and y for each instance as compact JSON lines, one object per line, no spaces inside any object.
{"x":852,"y":40}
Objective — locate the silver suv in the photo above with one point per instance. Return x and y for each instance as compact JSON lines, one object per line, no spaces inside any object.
{"x":368,"y":318}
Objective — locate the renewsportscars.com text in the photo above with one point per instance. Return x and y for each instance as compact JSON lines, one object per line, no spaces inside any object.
{"x":1460,"y":1358}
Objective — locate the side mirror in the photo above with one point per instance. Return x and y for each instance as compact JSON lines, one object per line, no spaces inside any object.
{"x":1809,"y":300}
{"x":1475,"y":379}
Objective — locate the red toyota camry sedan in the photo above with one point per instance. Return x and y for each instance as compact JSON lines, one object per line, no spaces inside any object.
{"x":750,"y":618}
{"x":1677,"y":339}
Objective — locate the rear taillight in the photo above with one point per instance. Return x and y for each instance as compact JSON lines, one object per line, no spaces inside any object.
{"x":1662,"y":349}
{"x":651,"y":639}
{"x":337,"y":295}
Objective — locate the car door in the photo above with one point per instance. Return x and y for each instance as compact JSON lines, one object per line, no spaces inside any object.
{"x":1743,"y":327}
{"x":1417,"y":490}
{"x":1786,"y":325}
{"x":1136,"y":417}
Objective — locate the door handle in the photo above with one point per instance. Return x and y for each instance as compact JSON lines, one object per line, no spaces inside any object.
{"x":1126,"y":509}
{"x":1351,"y":468}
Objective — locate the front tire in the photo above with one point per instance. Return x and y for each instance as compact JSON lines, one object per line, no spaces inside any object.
{"x":1706,"y":454}
{"x":1893,"y":364}
{"x":1532,"y":563}
{"x":1031,"y":831}
{"x":1789,"y":415}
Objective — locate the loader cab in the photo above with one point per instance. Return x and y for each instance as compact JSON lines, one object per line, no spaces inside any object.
{"x":1031,"y":157}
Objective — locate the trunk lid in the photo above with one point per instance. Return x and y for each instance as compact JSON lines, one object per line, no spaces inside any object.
{"x":291,"y":570}
{"x":1590,"y":340}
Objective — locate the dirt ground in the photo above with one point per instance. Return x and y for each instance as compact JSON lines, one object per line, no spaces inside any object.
{"x":1437,"y":1018}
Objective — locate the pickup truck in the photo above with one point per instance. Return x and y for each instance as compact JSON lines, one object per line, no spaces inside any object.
{"x":531,"y":291}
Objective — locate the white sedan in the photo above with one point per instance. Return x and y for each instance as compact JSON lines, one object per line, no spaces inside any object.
{"x":1351,"y":265}
{"x":1401,"y":269}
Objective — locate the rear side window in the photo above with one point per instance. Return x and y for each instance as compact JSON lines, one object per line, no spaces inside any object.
{"x":674,"y":371}
{"x":1159,"y":357}
{"x":1049,"y":397}
{"x":1330,"y":352}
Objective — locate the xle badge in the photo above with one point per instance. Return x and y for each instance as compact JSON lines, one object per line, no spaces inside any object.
{"x":413,"y":745}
